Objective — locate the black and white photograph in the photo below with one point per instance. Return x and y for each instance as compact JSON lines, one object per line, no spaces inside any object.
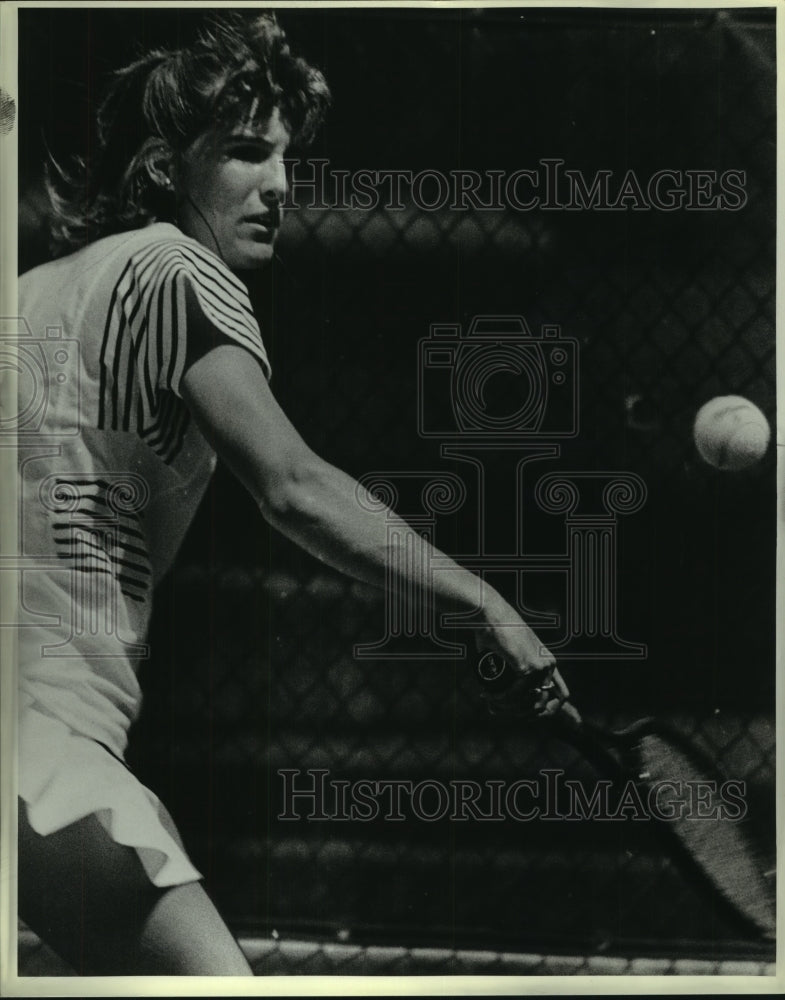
{"x":388,"y":418}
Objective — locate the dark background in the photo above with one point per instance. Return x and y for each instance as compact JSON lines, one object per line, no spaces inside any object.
{"x":253,"y":665}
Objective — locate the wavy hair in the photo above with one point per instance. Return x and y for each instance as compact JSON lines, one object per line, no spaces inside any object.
{"x":239,"y":69}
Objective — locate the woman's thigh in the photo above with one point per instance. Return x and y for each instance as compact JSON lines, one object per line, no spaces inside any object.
{"x":90,"y":899}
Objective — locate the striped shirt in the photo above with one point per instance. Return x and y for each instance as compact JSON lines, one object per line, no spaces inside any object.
{"x":112,"y":467}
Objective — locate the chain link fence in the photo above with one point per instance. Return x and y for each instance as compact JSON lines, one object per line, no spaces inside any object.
{"x":255,"y":669}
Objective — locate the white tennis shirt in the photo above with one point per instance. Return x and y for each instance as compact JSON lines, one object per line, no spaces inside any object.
{"x":112,"y":468}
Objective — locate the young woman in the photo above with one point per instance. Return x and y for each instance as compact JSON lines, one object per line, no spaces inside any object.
{"x":162,"y":367}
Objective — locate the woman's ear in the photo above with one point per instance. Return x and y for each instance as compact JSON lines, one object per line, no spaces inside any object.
{"x":159,"y":164}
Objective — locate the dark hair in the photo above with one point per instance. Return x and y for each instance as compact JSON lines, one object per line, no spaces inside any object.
{"x":240,"y":67}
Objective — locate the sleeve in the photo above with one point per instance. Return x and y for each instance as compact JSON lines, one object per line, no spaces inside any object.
{"x":203,"y":305}
{"x":174,"y":302}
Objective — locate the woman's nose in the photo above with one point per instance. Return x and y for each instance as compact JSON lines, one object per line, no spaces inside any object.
{"x":274,"y":185}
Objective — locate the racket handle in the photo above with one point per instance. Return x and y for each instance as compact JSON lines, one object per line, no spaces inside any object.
{"x":570,"y":717}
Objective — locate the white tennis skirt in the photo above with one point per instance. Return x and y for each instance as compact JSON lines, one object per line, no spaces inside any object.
{"x":64,"y":777}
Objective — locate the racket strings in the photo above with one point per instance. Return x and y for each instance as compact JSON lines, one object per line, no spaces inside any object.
{"x":701,"y":819}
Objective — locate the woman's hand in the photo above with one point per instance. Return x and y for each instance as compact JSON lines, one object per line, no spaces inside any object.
{"x":538,"y":684}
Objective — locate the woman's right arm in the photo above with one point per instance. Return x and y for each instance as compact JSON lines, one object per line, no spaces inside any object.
{"x":318,"y":506}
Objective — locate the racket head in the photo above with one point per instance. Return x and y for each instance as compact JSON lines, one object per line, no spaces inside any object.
{"x":687,"y":796}
{"x":714,"y":849}
{"x":718,"y":844}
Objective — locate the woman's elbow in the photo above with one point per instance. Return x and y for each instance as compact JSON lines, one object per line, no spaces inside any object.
{"x":291,"y":495}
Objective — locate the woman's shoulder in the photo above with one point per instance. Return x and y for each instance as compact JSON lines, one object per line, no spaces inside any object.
{"x":158,"y":240}
{"x":138,"y":264}
{"x":103,"y":250}
{"x":163,"y":245}
{"x":164,"y":235}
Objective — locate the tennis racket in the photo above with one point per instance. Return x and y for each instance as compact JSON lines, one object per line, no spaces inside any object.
{"x":716,"y":851}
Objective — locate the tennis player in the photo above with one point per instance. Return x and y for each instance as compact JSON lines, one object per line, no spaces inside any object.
{"x":169,"y":371}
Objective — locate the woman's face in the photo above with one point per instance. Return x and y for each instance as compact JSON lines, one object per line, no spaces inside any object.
{"x":230,"y":192}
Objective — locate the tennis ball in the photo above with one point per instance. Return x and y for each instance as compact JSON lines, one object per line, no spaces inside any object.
{"x":731,"y":433}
